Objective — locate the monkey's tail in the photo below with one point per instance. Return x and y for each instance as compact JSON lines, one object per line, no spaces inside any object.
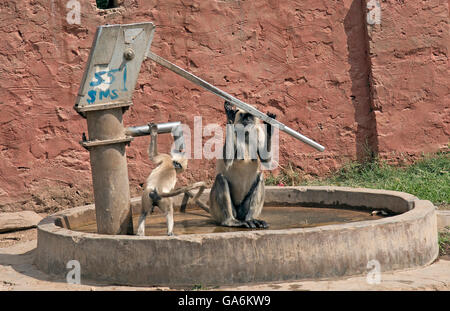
{"x":178,"y":191}
{"x":188,"y":195}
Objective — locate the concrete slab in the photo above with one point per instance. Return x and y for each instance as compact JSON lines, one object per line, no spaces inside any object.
{"x":443,"y":219}
{"x":406,"y":240}
{"x":18,"y":221}
{"x":18,"y":273}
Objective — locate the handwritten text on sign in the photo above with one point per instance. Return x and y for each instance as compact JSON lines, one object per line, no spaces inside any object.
{"x":102,"y":81}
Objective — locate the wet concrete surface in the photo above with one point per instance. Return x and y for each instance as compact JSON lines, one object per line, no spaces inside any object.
{"x":197,"y":221}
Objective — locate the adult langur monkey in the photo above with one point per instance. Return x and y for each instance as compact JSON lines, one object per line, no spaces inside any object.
{"x":161,"y":181}
{"x":237,"y":196}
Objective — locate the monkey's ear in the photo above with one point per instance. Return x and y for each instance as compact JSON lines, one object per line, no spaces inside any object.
{"x":230,"y":111}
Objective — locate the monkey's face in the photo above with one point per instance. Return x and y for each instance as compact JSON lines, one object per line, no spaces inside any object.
{"x":179,"y":163}
{"x":244,"y":118}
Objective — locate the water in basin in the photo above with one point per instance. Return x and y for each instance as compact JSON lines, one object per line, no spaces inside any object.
{"x":196,"y":221}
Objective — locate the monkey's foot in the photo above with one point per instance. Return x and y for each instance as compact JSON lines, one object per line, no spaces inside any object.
{"x":255,"y":223}
{"x":170,"y":234}
{"x":232,"y":222}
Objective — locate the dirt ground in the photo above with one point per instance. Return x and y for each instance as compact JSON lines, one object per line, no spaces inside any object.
{"x":17,"y":272}
{"x":12,"y":238}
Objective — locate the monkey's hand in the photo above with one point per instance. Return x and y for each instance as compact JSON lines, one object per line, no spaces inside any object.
{"x":228,"y":106}
{"x":153,"y":129}
{"x":230,"y":112}
{"x":271,"y":115}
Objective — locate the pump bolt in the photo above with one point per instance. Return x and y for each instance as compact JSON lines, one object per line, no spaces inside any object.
{"x":128,"y":54}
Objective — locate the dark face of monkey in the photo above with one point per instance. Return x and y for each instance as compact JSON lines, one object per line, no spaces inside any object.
{"x":238,"y":116}
{"x":177,"y":165}
{"x":244,"y":118}
{"x":179,"y":162}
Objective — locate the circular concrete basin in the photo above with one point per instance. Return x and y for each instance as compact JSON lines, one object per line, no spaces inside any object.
{"x":327,"y":247}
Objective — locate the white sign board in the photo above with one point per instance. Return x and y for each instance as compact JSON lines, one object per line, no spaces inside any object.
{"x":114,"y":64}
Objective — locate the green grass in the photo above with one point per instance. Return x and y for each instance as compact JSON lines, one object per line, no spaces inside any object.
{"x":428,"y":178}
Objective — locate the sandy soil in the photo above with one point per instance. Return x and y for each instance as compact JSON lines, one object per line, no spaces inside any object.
{"x":16,"y":237}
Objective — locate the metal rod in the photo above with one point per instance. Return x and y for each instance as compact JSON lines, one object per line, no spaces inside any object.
{"x":238,"y":103}
{"x":169,"y":127}
{"x":143,"y":130}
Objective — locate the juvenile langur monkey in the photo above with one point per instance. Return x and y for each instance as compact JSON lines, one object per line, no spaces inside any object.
{"x":161,"y":181}
{"x":237,"y":195}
